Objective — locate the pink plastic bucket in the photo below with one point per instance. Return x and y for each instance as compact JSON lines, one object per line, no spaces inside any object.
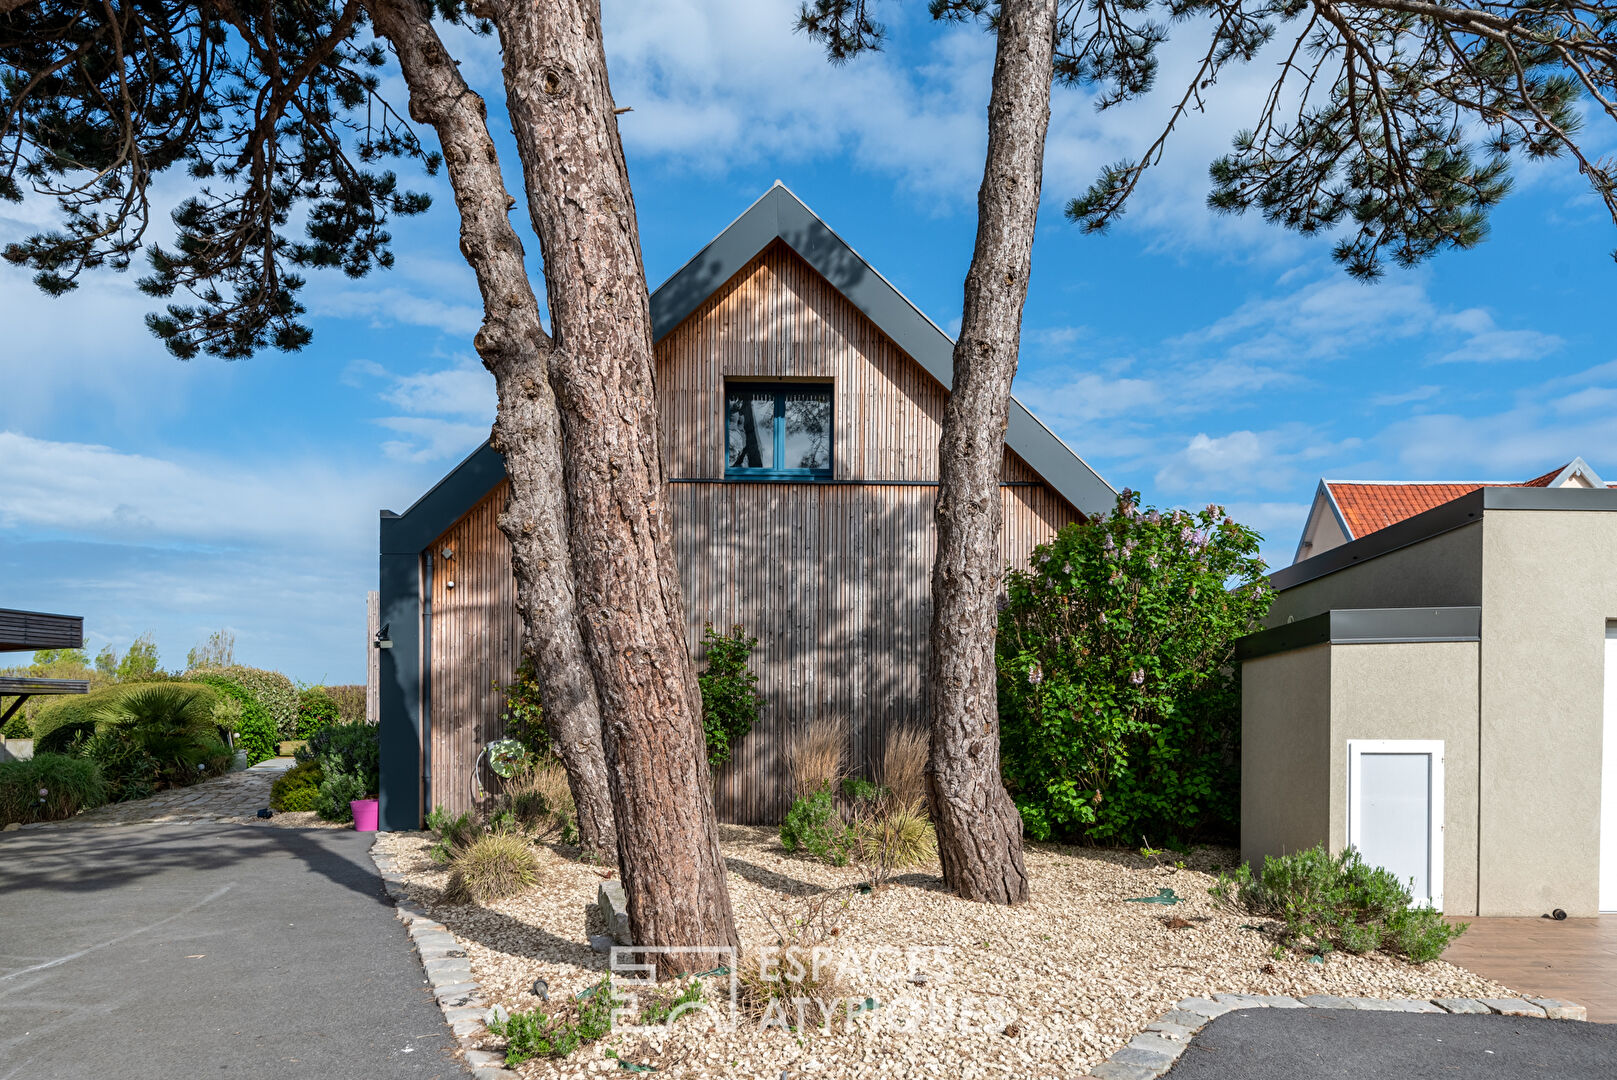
{"x":364,"y":814}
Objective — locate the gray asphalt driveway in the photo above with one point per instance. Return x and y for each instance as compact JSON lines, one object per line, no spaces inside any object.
{"x":1327,"y":1044}
{"x":207,"y":950}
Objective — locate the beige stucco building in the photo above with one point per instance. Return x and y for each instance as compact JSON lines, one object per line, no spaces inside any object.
{"x":1442,"y":694}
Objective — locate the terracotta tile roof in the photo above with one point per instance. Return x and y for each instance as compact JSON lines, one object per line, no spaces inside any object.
{"x":1369,"y":507}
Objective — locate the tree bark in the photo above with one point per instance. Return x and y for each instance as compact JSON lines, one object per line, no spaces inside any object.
{"x":515,"y":348}
{"x":630,"y":605}
{"x":979,"y":829}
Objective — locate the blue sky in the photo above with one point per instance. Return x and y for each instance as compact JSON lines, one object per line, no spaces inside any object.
{"x":1194,"y":357}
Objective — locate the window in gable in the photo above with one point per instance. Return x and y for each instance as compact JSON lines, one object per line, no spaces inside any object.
{"x":777,"y":430}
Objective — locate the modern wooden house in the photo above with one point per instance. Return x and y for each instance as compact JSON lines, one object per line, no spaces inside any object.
{"x":801,"y":397}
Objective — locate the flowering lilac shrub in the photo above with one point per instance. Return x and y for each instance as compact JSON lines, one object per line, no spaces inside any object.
{"x":1119,"y":699}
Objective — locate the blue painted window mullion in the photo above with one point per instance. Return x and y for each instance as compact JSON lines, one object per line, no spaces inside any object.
{"x":780,"y":430}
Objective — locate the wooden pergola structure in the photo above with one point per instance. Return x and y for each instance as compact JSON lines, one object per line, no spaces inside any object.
{"x":29,"y":631}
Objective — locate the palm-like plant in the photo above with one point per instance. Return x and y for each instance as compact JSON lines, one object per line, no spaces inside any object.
{"x":174,"y":724}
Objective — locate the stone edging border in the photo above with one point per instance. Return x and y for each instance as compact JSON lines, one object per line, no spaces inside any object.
{"x":1154,"y":1051}
{"x":448,"y":972}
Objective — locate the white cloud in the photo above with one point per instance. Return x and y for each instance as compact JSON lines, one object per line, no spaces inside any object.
{"x":90,"y":491}
{"x":431,"y":439}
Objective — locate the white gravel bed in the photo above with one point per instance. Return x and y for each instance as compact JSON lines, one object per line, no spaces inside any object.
{"x":1075,"y":973}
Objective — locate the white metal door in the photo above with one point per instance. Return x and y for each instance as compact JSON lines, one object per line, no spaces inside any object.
{"x":1395,"y":811}
{"x":1608,"y":779}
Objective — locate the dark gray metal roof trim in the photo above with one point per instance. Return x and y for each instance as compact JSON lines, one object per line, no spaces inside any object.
{"x":1365,"y":626}
{"x":446,"y":503}
{"x":1456,"y":513}
{"x":1460,"y":512}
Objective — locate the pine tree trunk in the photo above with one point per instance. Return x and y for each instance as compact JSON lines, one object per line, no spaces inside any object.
{"x":630,"y":606}
{"x":979,"y":829}
{"x":515,"y":348}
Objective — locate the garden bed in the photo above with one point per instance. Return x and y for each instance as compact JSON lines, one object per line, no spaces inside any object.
{"x":1077,"y":971}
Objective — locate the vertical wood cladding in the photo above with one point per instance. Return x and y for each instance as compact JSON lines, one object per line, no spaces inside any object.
{"x":832,"y":578}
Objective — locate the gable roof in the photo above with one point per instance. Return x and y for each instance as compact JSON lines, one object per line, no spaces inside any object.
{"x":780,"y":215}
{"x":1366,"y":506}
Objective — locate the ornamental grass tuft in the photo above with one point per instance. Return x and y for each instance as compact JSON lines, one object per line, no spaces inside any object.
{"x":492,"y":867}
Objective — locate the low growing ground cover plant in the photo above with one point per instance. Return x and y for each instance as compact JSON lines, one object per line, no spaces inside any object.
{"x":1327,"y":902}
{"x":730,"y":698}
{"x":49,"y":787}
{"x":1119,"y":698}
{"x":536,"y":1033}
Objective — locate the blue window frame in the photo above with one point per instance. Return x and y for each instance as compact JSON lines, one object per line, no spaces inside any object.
{"x":777,"y":430}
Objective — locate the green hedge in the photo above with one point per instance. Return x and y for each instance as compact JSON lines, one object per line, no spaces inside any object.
{"x":69,"y":785}
{"x":270,"y":689}
{"x":255,"y":732}
{"x":316,"y":710}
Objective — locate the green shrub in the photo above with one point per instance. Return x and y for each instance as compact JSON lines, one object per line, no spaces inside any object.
{"x":49,"y":787}
{"x":491,"y":867}
{"x":730,"y":698}
{"x":298,"y":788}
{"x":255,"y":731}
{"x":156,"y":734}
{"x":857,"y":789}
{"x":17,"y":727}
{"x":350,"y":759}
{"x":338,"y":791}
{"x":1327,"y":902}
{"x":270,"y":689}
{"x":813,"y":825}
{"x":1120,"y":710}
{"x":350,"y":702}
{"x":895,"y":836}
{"x":523,"y":717}
{"x":449,"y":834}
{"x":535,"y":1033}
{"x":315,"y":711}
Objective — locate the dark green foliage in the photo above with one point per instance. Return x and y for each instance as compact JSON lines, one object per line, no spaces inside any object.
{"x":155,"y":735}
{"x":857,"y":789}
{"x":129,"y":771}
{"x":450,"y":834}
{"x":535,"y":1034}
{"x":49,"y":787}
{"x":524,"y":718}
{"x":1392,"y":124}
{"x":297,"y":789}
{"x":255,"y":731}
{"x":349,"y":756}
{"x":1119,"y":703}
{"x":316,"y":710}
{"x":814,"y":825}
{"x":17,"y":727}
{"x":272,"y":109}
{"x":70,"y":717}
{"x":1328,"y":902}
{"x":730,"y":698}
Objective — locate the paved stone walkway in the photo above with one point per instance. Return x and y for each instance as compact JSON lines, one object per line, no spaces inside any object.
{"x":235,"y":797}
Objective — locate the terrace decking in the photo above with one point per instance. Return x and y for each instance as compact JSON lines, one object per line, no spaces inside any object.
{"x":1575,"y":959}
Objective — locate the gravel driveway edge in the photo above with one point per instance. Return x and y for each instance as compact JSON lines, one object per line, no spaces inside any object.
{"x":447,"y":970}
